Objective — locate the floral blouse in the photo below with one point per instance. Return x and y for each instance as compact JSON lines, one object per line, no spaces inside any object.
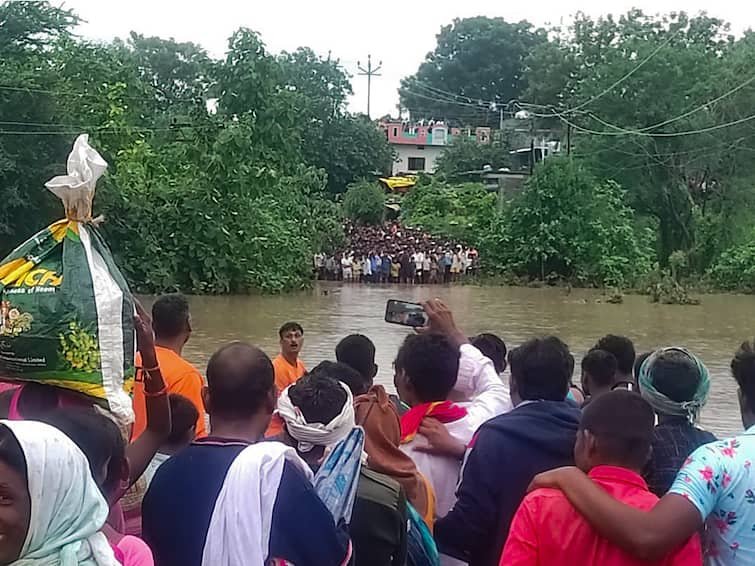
{"x":717,"y":478}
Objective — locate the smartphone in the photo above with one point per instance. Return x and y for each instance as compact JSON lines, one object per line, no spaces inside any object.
{"x":405,"y":314}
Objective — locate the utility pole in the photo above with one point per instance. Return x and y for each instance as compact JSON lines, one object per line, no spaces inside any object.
{"x":369,"y":72}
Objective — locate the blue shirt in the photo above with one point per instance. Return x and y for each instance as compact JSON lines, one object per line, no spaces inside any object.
{"x":178,"y":507}
{"x":718,"y":479}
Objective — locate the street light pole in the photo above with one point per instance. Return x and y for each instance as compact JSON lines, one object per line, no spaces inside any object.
{"x":369,"y":72}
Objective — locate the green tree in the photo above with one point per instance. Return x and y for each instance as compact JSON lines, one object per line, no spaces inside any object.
{"x":348,"y":147}
{"x":463,"y":212}
{"x":478,"y":59}
{"x":468,"y":155}
{"x":567,"y":224}
{"x":641,"y":86}
{"x":364,"y":203}
{"x":28,"y":30}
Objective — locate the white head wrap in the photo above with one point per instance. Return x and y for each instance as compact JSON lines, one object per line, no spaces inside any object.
{"x":67,"y":508}
{"x":309,"y":435}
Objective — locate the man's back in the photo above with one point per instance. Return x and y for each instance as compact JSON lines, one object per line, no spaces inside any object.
{"x":548,"y":531}
{"x":181,"y":499}
{"x":506,"y":454}
{"x":180,"y":377}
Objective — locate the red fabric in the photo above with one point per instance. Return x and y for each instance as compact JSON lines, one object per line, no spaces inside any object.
{"x":548,"y":531}
{"x":444,"y":411}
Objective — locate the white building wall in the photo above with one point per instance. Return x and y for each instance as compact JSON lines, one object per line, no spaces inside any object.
{"x":404,"y":152}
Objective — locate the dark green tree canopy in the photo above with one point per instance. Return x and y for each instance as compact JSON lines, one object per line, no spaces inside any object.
{"x":476,"y":59}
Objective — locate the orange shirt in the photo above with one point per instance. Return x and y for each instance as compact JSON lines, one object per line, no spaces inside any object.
{"x":180,"y":377}
{"x":285,"y":375}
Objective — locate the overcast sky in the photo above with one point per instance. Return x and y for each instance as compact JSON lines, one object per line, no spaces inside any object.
{"x":398,"y":32}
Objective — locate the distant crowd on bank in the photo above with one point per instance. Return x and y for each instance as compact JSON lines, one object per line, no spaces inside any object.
{"x":392,"y":253}
{"x":485,"y":456}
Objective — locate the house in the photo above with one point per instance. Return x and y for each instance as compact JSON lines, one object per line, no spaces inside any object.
{"x":418,"y":146}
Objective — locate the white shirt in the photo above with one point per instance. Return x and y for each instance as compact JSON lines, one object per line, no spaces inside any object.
{"x":419,"y":259}
{"x":488,"y":397}
{"x":346,"y":262}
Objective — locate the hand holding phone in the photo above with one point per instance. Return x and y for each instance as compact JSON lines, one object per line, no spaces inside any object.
{"x":405,"y":314}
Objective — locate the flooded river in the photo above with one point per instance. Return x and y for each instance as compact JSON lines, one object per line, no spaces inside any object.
{"x":329,"y":312}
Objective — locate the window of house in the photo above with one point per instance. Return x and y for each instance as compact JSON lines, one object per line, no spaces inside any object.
{"x":416,"y":164}
{"x":395,"y":132}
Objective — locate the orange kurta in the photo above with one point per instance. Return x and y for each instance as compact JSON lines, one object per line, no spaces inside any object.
{"x":180,"y":377}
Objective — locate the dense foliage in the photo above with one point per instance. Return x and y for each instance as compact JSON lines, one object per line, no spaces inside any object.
{"x":567,"y":224}
{"x":475,"y":58}
{"x":364,"y":203}
{"x":735,"y":269}
{"x":464,"y":212}
{"x":221,"y":171}
{"x":660,"y":105}
{"x":467,"y":155}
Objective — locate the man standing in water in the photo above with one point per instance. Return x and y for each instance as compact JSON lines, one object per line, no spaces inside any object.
{"x":288,"y":367}
{"x":171,"y":323}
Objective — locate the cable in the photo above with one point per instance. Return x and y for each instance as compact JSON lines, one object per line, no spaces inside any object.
{"x":443,"y":101}
{"x":440,"y":91}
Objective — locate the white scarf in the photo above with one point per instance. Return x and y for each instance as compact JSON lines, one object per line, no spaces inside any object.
{"x":239,"y":530}
{"x":309,"y":435}
{"x":67,"y":508}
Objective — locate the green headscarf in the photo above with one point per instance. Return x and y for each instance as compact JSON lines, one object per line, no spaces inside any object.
{"x":666,"y":406}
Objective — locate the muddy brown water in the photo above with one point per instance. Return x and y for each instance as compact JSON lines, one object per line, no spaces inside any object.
{"x":331,"y":311}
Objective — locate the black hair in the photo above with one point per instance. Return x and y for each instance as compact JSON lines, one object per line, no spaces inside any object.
{"x":638,"y":364}
{"x":344,"y":373}
{"x":743,"y":370}
{"x":542,"y":369}
{"x":11,"y":452}
{"x":622,"y":348}
{"x":240,"y":378}
{"x":183,"y":416}
{"x":676,"y":375}
{"x":358,"y":351}
{"x":493,"y":348}
{"x":431,"y":364}
{"x":600,"y":366}
{"x":170,"y":315}
{"x":319,"y":398}
{"x":98,"y":437}
{"x":288,"y":327}
{"x":622,"y":422}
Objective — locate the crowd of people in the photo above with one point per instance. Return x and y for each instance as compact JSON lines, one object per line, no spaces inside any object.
{"x":485,"y":457}
{"x":392,"y":253}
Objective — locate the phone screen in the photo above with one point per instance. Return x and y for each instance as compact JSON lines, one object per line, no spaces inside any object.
{"x":405,"y":314}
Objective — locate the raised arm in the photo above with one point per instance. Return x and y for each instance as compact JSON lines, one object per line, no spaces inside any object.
{"x":648,"y":535}
{"x":140,"y":452}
